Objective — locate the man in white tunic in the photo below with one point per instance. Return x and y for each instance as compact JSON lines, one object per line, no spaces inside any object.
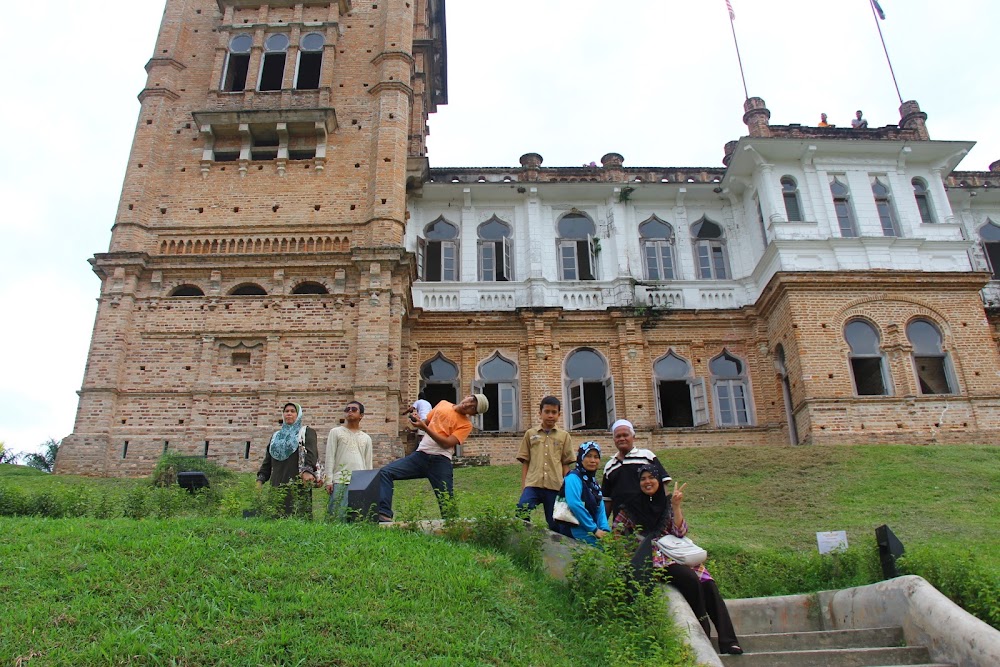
{"x":348,"y":448}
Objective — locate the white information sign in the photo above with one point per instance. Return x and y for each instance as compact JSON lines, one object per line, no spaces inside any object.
{"x":831,"y":540}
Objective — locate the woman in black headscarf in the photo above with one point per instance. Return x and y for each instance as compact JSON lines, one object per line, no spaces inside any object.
{"x":290,"y":460}
{"x":652,"y":515}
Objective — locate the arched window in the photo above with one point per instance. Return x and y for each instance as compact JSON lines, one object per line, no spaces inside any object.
{"x":495,"y":251}
{"x":867,"y":361}
{"x":437,"y":252}
{"x":498,"y":381}
{"x":310,"y":62}
{"x":843,"y":209}
{"x":886,"y":209}
{"x":590,"y":389}
{"x":710,"y":250}
{"x":248,"y":289}
{"x":989,"y":234}
{"x":577,"y":247}
{"x":234,"y":72}
{"x":657,"y":248}
{"x":732,"y":391}
{"x":272,"y":66}
{"x":187,"y":290}
{"x":680,"y":397}
{"x":786,"y":391}
{"x":930,"y":361}
{"x":790,"y":193}
{"x":310,"y":287}
{"x":439,"y":380}
{"x":923,"y":200}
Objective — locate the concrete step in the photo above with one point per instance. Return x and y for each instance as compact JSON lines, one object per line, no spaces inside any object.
{"x":804,"y":641}
{"x":843,"y":657}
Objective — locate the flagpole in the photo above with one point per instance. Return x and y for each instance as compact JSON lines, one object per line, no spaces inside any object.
{"x":886,"y":50}
{"x":737,"y":44}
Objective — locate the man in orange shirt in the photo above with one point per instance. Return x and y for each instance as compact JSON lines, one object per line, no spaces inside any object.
{"x":446,"y":427}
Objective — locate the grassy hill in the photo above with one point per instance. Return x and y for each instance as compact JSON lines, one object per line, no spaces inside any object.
{"x":201,"y":586}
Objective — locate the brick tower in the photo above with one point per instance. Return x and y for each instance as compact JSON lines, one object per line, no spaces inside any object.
{"x":257,"y":251}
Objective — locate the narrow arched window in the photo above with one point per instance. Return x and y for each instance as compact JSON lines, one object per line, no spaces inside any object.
{"x":437,"y":252}
{"x":843,"y":209}
{"x":710,"y":250}
{"x":790,"y":193}
{"x":310,"y":61}
{"x":657,"y":249}
{"x":234,"y":72}
{"x":781,"y":366}
{"x":923,"y":199}
{"x":886,"y":209}
{"x":272,"y":66}
{"x":930,"y":361}
{"x":590,"y":390}
{"x":577,"y":247}
{"x":495,"y":251}
{"x":989,"y":235}
{"x":439,"y":380}
{"x":732,"y":391}
{"x":867,"y":360}
{"x":498,"y":381}
{"x":680,"y":397}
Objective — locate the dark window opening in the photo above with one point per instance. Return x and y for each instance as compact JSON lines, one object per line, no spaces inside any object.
{"x":125,"y":449}
{"x":236,"y":72}
{"x":932,"y":375}
{"x":868,"y":376}
{"x":273,"y":71}
{"x":310,"y":288}
{"x":491,"y":418}
{"x":675,"y":404}
{"x":246,"y":450}
{"x":310,"y":65}
{"x":434,"y":393}
{"x":206,"y":449}
{"x":301,"y":153}
{"x":241,"y":359}
{"x":595,"y":415}
{"x":227,"y":156}
{"x":187,"y":290}
{"x":249,"y":290}
{"x":166,"y":444}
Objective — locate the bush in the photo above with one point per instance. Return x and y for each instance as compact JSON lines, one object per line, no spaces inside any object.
{"x":966,"y":581}
{"x":165,"y":473}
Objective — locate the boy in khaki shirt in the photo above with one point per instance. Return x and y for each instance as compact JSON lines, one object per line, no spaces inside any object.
{"x":546,"y":454}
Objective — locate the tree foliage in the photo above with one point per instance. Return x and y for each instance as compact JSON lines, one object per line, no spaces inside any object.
{"x":46,"y":460}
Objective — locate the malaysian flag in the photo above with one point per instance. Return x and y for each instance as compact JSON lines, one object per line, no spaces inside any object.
{"x":875,"y":5}
{"x":732,"y":14}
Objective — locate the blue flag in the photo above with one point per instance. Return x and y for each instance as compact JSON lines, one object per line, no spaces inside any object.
{"x":878,"y":9}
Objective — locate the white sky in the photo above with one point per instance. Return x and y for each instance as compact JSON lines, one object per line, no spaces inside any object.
{"x":654,"y":80}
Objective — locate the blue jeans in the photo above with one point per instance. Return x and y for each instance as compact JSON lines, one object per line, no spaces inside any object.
{"x":418,"y":465}
{"x":532,"y":497}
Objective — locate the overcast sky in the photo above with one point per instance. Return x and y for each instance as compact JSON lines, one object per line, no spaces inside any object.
{"x":654,"y":80}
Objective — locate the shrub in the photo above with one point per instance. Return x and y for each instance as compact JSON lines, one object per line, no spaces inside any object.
{"x":165,"y":473}
{"x":966,"y":580}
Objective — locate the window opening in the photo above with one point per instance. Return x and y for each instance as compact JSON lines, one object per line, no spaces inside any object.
{"x":786,"y":391}
{"x":680,"y":397}
{"x":310,"y":61}
{"x":590,"y":391}
{"x":272,"y":67}
{"x":790,"y":193}
{"x":930,"y":361}
{"x":248,"y":289}
{"x":187,"y":290}
{"x":498,"y":381}
{"x":437,"y":252}
{"x":577,"y":247}
{"x":990,"y":236}
{"x":439,"y":380}
{"x":710,"y":247}
{"x":310,"y":287}
{"x":234,"y":72}
{"x":495,"y":251}
{"x":867,"y":360}
{"x":657,"y":238}
{"x":923,"y":199}
{"x":842,"y":208}
{"x":732,"y":391}
{"x":886,"y":211}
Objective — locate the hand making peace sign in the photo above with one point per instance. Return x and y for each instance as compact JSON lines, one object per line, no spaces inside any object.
{"x":677,"y":497}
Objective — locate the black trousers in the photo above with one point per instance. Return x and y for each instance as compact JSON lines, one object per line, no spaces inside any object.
{"x":705,"y":601}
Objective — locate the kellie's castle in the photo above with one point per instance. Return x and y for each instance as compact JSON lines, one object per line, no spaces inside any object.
{"x":281,"y":236}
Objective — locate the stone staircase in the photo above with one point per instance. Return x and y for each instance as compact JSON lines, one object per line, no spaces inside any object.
{"x":814,"y":647}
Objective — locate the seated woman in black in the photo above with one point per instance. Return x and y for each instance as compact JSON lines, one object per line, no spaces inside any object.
{"x":653,"y":515}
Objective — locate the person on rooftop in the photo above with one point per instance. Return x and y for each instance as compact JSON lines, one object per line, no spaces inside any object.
{"x":822,"y":121}
{"x":859,"y":123}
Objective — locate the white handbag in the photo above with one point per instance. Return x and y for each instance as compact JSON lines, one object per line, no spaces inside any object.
{"x":682,"y":550}
{"x":562,"y":512}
